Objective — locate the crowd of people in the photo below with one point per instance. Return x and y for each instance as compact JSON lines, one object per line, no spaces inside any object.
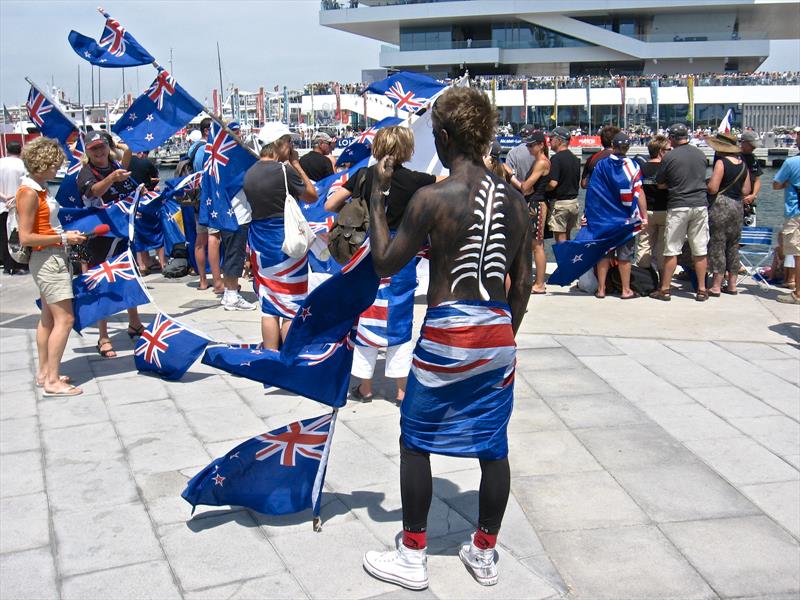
{"x":484,"y":225}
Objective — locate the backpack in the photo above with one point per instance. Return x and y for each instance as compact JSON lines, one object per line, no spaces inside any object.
{"x":350,"y":227}
{"x":20,"y":253}
{"x":184,"y":168}
{"x":178,"y":265}
{"x":643,"y":281}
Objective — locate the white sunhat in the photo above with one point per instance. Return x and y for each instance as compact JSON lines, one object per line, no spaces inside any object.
{"x":195,"y":136}
{"x":272,"y":131}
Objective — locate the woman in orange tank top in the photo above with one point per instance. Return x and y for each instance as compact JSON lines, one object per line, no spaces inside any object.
{"x":39,"y":228}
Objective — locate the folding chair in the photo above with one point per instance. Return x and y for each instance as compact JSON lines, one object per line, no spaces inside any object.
{"x":755,"y":250}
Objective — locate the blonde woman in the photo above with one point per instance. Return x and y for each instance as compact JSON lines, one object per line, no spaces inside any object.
{"x":387,"y":323}
{"x":49,"y":264}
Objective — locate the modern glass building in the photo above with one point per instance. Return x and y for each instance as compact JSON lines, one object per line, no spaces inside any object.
{"x":578,"y":37}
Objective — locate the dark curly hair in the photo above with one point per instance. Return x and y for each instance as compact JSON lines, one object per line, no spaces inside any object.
{"x":607,"y":134}
{"x":468,"y":117}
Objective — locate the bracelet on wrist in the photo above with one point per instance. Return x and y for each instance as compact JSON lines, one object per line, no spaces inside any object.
{"x":63,"y":239}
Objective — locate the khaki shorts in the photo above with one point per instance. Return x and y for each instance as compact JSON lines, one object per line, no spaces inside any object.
{"x":683,"y":223}
{"x":564,"y":216}
{"x":52,"y":274}
{"x":791,"y":236}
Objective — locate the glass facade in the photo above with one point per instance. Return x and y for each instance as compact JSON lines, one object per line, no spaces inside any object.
{"x":498,"y":35}
{"x":527,"y":35}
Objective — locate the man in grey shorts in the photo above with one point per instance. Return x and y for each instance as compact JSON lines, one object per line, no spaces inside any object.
{"x":564,"y":185}
{"x":683,"y":174}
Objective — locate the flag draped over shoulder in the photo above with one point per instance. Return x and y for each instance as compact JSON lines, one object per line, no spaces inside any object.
{"x":157,"y":114}
{"x":276,"y":473}
{"x":168,"y":348}
{"x":408,"y":91}
{"x":106,"y":289}
{"x":224,"y":166}
{"x":116,"y":49}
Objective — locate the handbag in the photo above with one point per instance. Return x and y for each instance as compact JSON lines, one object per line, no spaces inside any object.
{"x":297,"y":234}
{"x":20,"y":253}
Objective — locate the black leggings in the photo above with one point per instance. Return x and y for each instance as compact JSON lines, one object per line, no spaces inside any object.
{"x":416,"y":490}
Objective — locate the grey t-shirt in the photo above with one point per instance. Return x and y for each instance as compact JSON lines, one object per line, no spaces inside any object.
{"x":265,"y":190}
{"x":520,"y":161}
{"x":683,"y":169}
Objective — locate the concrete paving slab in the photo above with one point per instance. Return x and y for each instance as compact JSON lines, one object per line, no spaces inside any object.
{"x":166,"y":451}
{"x":633,"y":446}
{"x":569,"y":501}
{"x":355,"y":465}
{"x":162,"y":496}
{"x":534,"y":340}
{"x":279,"y":586}
{"x":786,"y":368}
{"x":780,"y":500}
{"x":136,"y":420}
{"x":742,"y":461}
{"x":548,"y":452}
{"x":740,"y":556}
{"x":89,"y":485}
{"x":689,"y":422}
{"x":531,"y":415}
{"x":18,"y":435}
{"x":15,"y":575}
{"x":91,"y":540}
{"x":213,"y":423}
{"x":333,"y":511}
{"x":546,"y":359}
{"x":778,"y":433}
{"x":750,"y":350}
{"x":95,"y":442}
{"x":629,"y":562}
{"x":17,"y":404}
{"x":600,"y":410}
{"x":565,"y":382}
{"x":587,"y":345}
{"x":730,"y":402}
{"x":140,"y":388}
{"x":377,"y":431}
{"x":21,"y":474}
{"x":683,"y":492}
{"x":150,"y":580}
{"x":25,"y":523}
{"x":55,"y":413}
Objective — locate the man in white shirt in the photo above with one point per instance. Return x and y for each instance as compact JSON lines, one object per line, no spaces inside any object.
{"x":11,"y":172}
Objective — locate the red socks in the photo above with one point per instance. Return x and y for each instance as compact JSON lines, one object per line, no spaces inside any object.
{"x":414,"y":540}
{"x":484,"y":541}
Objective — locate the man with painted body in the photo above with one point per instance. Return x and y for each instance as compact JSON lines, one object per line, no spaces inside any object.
{"x":460,"y":390}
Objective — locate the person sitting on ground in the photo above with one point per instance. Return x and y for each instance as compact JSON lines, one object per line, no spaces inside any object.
{"x":728,"y":185}
{"x":49,"y":263}
{"x":460,"y":389}
{"x":615,"y":196}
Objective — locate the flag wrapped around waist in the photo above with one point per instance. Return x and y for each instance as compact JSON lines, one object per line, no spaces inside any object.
{"x":460,"y":390}
{"x":280,"y":281}
{"x":388,"y":321}
{"x":276,"y":473}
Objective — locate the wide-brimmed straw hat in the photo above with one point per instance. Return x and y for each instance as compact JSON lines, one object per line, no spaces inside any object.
{"x":724,"y":143}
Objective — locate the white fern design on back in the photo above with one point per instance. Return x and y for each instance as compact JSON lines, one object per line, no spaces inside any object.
{"x":483,"y":255}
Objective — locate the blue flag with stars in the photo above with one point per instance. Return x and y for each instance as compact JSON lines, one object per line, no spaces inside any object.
{"x":117,"y":48}
{"x":577,"y":256}
{"x":167,"y":348}
{"x":408,"y":91}
{"x":276,"y":473}
{"x":157,"y":114}
{"x":224,"y":166}
{"x":68,"y":194}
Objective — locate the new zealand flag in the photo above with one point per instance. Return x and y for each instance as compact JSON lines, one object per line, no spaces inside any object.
{"x":409,"y":91}
{"x":48,"y":118}
{"x":116,"y":216}
{"x":361,"y":145}
{"x":224,"y":166}
{"x":167,"y":348}
{"x":276,"y":473}
{"x":117,"y":48}
{"x":68,"y":194}
{"x":157,"y":114}
{"x":106,"y":289}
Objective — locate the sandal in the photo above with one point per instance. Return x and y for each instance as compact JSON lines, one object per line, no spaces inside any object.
{"x":68,"y":391}
{"x":355,"y":394}
{"x":661,"y":295}
{"x":713,"y":294}
{"x":134,"y":332}
{"x":631,"y":297}
{"x":599,"y":296}
{"x":110,"y":353}
{"x":701,"y":295}
{"x":62,"y":379}
{"x":731,"y":293}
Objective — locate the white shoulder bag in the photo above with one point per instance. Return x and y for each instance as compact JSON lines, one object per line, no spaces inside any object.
{"x":297,"y":234}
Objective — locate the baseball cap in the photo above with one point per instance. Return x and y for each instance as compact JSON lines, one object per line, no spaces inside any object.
{"x":525,"y":132}
{"x":195,"y":136}
{"x":678,"y":130}
{"x":94,"y":139}
{"x":321,"y":136}
{"x":272,"y":131}
{"x":620,"y":139}
{"x":494,"y":149}
{"x":535,"y":137}
{"x":561,"y":132}
{"x":796,"y":129}
{"x":750,"y":138}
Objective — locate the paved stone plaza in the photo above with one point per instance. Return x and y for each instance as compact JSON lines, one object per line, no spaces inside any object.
{"x":655,"y":453}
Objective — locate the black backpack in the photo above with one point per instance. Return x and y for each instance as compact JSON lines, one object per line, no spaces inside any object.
{"x":178,"y":265}
{"x":350,"y":227}
{"x":643,"y":281}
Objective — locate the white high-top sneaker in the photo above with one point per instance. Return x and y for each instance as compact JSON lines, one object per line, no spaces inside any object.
{"x":405,"y":567}
{"x":481,"y":563}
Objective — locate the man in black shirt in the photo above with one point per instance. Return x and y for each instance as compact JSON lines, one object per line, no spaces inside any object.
{"x":565,"y":175}
{"x":318,"y":164}
{"x":748,"y":143}
{"x":143,"y":170}
{"x":650,"y":241}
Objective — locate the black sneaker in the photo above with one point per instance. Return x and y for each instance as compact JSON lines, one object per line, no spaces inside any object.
{"x":355,"y":394}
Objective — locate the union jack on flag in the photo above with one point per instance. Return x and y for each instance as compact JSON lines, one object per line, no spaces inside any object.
{"x":120,"y":267}
{"x":405,"y":100}
{"x":76,"y":156}
{"x":154,"y":339}
{"x":113,"y":37}
{"x":366,"y":137}
{"x":408,"y":91}
{"x":297,"y":438}
{"x":37,"y":106}
{"x":215,"y":151}
{"x":163,"y":85}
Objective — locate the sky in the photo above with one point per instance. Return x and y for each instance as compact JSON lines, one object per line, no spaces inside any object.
{"x":262,"y":42}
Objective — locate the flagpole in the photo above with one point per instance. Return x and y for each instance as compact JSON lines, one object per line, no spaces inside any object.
{"x":55,"y":106}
